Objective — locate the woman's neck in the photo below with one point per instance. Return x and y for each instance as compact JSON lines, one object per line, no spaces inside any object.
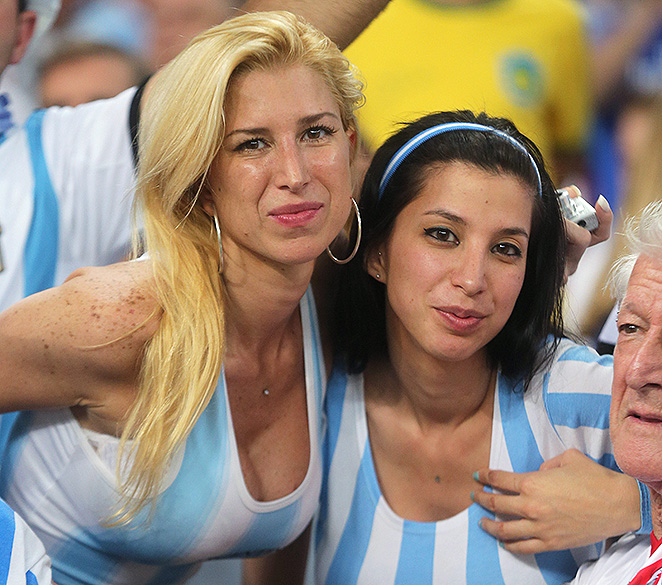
{"x":261,"y":298}
{"x":434,"y":392}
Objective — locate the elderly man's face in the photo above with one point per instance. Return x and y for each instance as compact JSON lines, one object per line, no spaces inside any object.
{"x":636,"y":407}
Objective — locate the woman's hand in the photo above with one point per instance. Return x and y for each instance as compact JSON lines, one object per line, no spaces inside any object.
{"x":571,"y":501}
{"x":579,"y":239}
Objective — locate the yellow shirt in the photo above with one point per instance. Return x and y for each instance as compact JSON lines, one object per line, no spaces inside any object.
{"x":522,"y":59}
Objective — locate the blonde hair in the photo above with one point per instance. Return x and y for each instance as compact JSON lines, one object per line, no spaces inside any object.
{"x":182,"y":127}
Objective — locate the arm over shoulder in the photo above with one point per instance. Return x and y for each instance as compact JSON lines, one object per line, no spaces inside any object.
{"x":79,"y":343}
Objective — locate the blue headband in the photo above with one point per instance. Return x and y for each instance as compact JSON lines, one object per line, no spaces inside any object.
{"x":422,"y":137}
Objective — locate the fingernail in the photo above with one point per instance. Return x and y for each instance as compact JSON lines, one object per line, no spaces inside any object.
{"x":471,"y":495}
{"x":602,"y":202}
{"x":475,"y":476}
{"x":480,"y":523}
{"x":501,"y":544}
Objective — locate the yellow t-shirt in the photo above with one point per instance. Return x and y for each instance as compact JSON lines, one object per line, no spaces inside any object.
{"x":522,"y":59}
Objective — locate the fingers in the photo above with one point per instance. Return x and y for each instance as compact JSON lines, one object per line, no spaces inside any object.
{"x":605,"y":220}
{"x":501,"y":504}
{"x":517,"y":536}
{"x":504,"y":481}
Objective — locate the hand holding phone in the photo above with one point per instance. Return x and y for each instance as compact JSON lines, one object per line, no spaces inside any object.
{"x":578,"y":210}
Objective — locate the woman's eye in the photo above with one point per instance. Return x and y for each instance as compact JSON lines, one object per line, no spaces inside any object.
{"x":318,"y":132}
{"x":442,"y":234}
{"x":507,"y":249}
{"x":252,"y":144}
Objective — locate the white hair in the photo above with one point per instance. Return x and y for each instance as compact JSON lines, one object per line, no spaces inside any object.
{"x":644,"y":236}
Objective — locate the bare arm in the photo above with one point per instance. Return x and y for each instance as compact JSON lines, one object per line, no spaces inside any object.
{"x":60,"y":348}
{"x":341,"y":20}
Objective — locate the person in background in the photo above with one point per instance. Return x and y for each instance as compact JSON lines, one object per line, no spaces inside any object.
{"x":451,"y":359}
{"x":527,"y":60}
{"x":80,"y":72}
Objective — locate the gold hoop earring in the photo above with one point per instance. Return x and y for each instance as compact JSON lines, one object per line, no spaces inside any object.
{"x":217,"y":226}
{"x":358,"y":238}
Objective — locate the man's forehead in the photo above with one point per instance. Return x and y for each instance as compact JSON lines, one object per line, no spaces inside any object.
{"x":646,"y":279}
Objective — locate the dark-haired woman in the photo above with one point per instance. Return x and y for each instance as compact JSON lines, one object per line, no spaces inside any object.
{"x":452,"y":359}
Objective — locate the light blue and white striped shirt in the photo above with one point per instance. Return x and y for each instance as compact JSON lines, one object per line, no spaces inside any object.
{"x":359,"y":540}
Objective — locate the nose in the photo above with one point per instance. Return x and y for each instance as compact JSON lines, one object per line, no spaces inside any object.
{"x":469,"y":271}
{"x":645,"y":368}
{"x":293,"y":172}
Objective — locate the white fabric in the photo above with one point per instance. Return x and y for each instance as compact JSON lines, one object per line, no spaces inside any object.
{"x":361,"y":541}
{"x":64,"y":489}
{"x":87,"y":152}
{"x":622,"y":561}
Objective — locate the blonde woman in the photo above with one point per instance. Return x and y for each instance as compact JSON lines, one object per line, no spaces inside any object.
{"x":170,"y":406}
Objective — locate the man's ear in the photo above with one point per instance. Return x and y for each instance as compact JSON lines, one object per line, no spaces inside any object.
{"x":26,"y":25}
{"x":375,"y":265}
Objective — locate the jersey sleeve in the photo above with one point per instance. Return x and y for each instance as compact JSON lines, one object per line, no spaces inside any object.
{"x":88,"y":156}
{"x":577,"y":394}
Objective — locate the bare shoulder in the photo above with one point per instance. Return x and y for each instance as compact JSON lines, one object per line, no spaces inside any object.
{"x":110,"y":302}
{"x":101,"y":317}
{"x":80,"y":342}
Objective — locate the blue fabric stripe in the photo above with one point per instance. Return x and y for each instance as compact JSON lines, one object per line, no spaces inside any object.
{"x":317,"y":356}
{"x":30,"y":579}
{"x":483,"y":564}
{"x":41,"y":247}
{"x":557,"y":566}
{"x":203,"y":473}
{"x":348,"y":559}
{"x":335,"y":398}
{"x":267,"y":533}
{"x":581,"y":353}
{"x":416,"y":561}
{"x":14,"y":428}
{"x":576,"y":410}
{"x":333,"y":403}
{"x":7,"y":532}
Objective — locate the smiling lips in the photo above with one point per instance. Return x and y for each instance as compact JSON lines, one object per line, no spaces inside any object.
{"x":460,"y":320}
{"x":297,"y":214}
{"x":646,"y":417}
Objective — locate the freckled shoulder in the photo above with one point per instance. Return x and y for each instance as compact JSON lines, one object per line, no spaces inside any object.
{"x":113,"y":302}
{"x":79,"y":343}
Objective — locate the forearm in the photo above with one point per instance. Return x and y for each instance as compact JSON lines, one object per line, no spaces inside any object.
{"x":342,"y":20}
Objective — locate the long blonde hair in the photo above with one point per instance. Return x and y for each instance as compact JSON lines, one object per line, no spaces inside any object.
{"x":182,"y":128}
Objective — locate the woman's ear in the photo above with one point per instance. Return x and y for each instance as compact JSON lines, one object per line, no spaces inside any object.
{"x":375,"y":265}
{"x":206,"y":200}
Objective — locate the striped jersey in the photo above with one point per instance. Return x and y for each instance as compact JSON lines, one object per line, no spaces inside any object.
{"x":23,"y":560}
{"x":66,"y":179}
{"x":359,"y":540}
{"x":63,"y":483}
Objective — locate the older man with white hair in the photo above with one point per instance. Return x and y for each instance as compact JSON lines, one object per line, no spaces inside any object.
{"x":636,"y":404}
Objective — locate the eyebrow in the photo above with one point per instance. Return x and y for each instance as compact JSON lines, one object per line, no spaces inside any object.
{"x":509,"y":231}
{"x":305,"y":121}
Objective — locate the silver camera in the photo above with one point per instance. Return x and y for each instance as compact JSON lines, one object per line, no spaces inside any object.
{"x":578,"y":210}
